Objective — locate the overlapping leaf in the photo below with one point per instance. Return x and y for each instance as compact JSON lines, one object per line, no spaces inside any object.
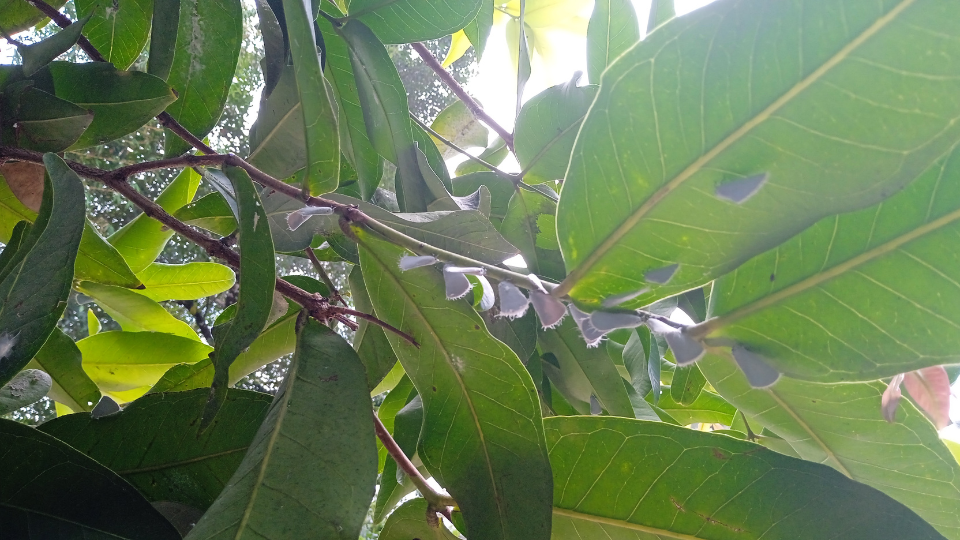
{"x":61,"y":359}
{"x":406,"y":21}
{"x":613,"y":29}
{"x":188,"y":281}
{"x":547,"y":128}
{"x":135,"y":312}
{"x":119,"y":30}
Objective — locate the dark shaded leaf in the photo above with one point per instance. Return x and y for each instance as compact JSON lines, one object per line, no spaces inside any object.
{"x":36,"y":55}
{"x":25,"y":388}
{"x":369,"y":341}
{"x":163,"y":37}
{"x":119,"y":29}
{"x":421,"y":19}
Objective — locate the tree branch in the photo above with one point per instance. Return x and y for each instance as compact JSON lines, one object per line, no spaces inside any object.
{"x":438,"y":501}
{"x":452,"y":83}
{"x":63,"y":21}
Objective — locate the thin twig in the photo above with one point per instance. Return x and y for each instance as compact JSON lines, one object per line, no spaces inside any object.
{"x":370,"y":318}
{"x":438,"y":501}
{"x":63,"y":21}
{"x":452,"y":83}
{"x":334,"y":293}
{"x":512,"y":177}
{"x":192,"y":308}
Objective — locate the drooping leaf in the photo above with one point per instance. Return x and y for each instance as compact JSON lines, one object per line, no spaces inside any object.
{"x":61,"y":359}
{"x":134,"y":361}
{"x":547,"y":128}
{"x":207,"y":49}
{"x":651,"y":479}
{"x":478,"y":31}
{"x":36,"y":55}
{"x":613,"y":29}
{"x":121,"y":101}
{"x":318,"y":431}
{"x":586,"y":371}
{"x":142,"y":240}
{"x":687,"y":384}
{"x":154,"y":445}
{"x":163,"y":37}
{"x":499,"y":476}
{"x":17,"y":16}
{"x":406,"y":21}
{"x":409,"y":521}
{"x":210,"y":212}
{"x":258,"y":276}
{"x":100,"y":262}
{"x":119,"y":30}
{"x":36,"y":283}
{"x":857,"y":296}
{"x":278,"y":144}
{"x":37,"y":120}
{"x":274,"y":46}
{"x":135,"y":312}
{"x":50,"y":490}
{"x":689,"y":115}
{"x":369,"y":341}
{"x":25,"y":388}
{"x":840,"y":425}
{"x":189,"y":281}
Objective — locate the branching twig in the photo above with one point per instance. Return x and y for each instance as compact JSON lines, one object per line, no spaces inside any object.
{"x":439,"y":502}
{"x":193,"y":309}
{"x":334,"y":293}
{"x":452,"y":83}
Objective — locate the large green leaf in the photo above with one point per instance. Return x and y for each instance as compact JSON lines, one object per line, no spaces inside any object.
{"x":118,"y":29}
{"x":37,"y":120}
{"x":207,"y":49}
{"x":50,"y":490}
{"x":458,"y":125}
{"x":370,"y":340}
{"x":613,"y":29}
{"x":406,"y":21}
{"x":586,"y":371}
{"x":188,"y":281}
{"x":311,"y":468}
{"x":135,"y":312}
{"x":622,"y":478}
{"x":857,"y":296}
{"x":708,"y":408}
{"x":258,"y":276}
{"x":154,"y":445}
{"x":143,"y":239}
{"x":36,"y":282}
{"x":691,"y":119}
{"x":61,"y":359}
{"x":318,"y":109}
{"x":17,"y":15}
{"x":482,"y":435}
{"x":210,"y":212}
{"x":841,"y":425}
{"x":100,"y":262}
{"x":278,"y":144}
{"x":547,"y":128}
{"x":121,"y":101}
{"x":409,"y":521}
{"x":135,"y":361}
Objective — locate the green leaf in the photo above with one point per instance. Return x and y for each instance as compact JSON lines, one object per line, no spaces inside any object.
{"x":142,"y":240}
{"x":494,"y":155}
{"x":319,"y":112}
{"x":458,"y":125}
{"x":36,"y":283}
{"x":623,"y":478}
{"x":547,"y":128}
{"x":840,"y":425}
{"x":19,"y":234}
{"x":210,"y":212}
{"x":383,"y":100}
{"x":661,"y":11}
{"x":501,"y":191}
{"x":856,"y":296}
{"x":465,"y":232}
{"x":134,"y":361}
{"x":25,"y":388}
{"x":688,"y":116}
{"x":18,"y":16}
{"x":395,"y":485}
{"x":100,"y":262}
{"x":135,"y":312}
{"x":613,"y":29}
{"x":708,"y":408}
{"x":274,"y":46}
{"x":519,"y":334}
{"x":50,"y":490}
{"x":189,"y":281}
{"x":278,"y":144}
{"x":686,"y":384}
{"x":37,"y":120}
{"x":119,"y":30}
{"x":406,"y":21}
{"x":494,"y":465}
{"x":522,"y":228}
{"x":277,"y":207}
{"x":369,"y":341}
{"x":61,"y":359}
{"x":258,"y":276}
{"x":478,"y":31}
{"x":12,"y":212}
{"x":318,"y":430}
{"x":586,"y":372}
{"x":409,"y":521}
{"x":121,"y":101}
{"x":275,"y":342}
{"x":163,"y":37}
{"x":392,"y":403}
{"x":152,"y":443}
{"x":208,"y":43}
{"x":354,"y":142}
{"x":36,"y":55}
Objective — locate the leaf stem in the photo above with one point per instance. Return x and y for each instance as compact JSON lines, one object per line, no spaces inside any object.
{"x":334,"y":293}
{"x":438,"y":501}
{"x":452,"y":83}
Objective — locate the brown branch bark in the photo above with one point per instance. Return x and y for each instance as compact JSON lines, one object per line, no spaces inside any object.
{"x":439,"y":502}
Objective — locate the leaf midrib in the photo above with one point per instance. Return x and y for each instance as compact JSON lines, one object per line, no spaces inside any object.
{"x":182,"y":462}
{"x":573,"y":514}
{"x":633,"y":219}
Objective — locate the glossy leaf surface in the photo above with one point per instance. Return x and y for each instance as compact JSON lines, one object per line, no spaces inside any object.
{"x":119,"y":30}
{"x":135,"y":312}
{"x":406,"y":21}
{"x":61,"y":359}
{"x":188,"y":281}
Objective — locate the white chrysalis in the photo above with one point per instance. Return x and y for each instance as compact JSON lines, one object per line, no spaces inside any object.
{"x":513,"y":303}
{"x":409,"y":262}
{"x":456,"y":283}
{"x":298,"y":217}
{"x":550,"y":310}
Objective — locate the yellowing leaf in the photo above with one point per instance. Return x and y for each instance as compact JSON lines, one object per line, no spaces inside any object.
{"x":458,"y":46}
